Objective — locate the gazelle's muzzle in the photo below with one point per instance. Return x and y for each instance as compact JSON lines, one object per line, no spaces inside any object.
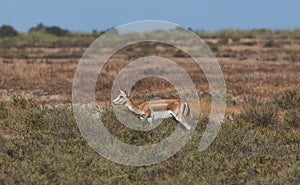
{"x":115,"y":102}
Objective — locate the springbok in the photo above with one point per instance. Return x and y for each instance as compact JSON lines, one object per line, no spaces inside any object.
{"x":155,"y":109}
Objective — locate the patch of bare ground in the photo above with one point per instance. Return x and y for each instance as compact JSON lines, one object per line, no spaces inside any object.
{"x":253,"y":69}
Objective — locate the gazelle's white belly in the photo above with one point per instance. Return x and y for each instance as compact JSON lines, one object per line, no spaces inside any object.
{"x":161,"y":115}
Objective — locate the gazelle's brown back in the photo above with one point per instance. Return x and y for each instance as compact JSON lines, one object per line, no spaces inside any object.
{"x":165,"y":104}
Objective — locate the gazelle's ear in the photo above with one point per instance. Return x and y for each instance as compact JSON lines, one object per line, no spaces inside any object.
{"x":121,"y":91}
{"x":126,"y":93}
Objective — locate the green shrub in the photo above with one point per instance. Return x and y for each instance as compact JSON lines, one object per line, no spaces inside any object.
{"x":7,"y":31}
{"x":36,"y":119}
{"x":289,"y":100}
{"x":292,"y":118}
{"x":265,"y":115}
{"x":3,"y":111}
{"x":21,"y":101}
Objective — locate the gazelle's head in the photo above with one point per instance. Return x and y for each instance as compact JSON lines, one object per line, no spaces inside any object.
{"x":121,"y":99}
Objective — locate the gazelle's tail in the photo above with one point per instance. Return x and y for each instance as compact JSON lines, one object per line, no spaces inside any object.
{"x":186,"y":109}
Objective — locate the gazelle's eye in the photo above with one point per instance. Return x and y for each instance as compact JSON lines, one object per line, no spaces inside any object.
{"x":121,"y":96}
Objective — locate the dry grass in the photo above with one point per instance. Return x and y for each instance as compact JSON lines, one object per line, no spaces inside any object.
{"x":45,"y":146}
{"x":254,"y":70}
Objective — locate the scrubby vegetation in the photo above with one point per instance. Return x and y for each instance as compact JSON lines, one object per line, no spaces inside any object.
{"x":237,"y":34}
{"x":54,"y":36}
{"x":41,"y":146}
{"x":257,"y":144}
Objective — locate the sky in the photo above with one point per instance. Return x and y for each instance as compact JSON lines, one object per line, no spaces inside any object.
{"x":209,"y":15}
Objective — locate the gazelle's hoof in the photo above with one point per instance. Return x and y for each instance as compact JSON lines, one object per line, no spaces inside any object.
{"x":188,"y":127}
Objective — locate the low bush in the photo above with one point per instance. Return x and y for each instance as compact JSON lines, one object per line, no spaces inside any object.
{"x":3,"y":111}
{"x":46,"y":147}
{"x":292,"y":118}
{"x":289,"y":100}
{"x":20,"y":101}
{"x":265,"y":115}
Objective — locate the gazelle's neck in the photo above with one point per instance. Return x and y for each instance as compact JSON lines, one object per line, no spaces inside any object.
{"x":133,"y":107}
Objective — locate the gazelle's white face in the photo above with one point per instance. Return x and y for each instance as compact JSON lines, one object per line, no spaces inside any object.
{"x":121,"y":99}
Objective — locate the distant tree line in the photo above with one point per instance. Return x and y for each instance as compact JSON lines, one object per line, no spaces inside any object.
{"x":54,"y":30}
{"x":9,"y":31}
{"x":236,"y":34}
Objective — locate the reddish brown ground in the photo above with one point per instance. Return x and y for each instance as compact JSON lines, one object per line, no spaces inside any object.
{"x":253,"y":70}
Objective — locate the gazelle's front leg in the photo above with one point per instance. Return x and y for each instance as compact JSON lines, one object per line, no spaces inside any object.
{"x":143,"y":117}
{"x":150,"y":121}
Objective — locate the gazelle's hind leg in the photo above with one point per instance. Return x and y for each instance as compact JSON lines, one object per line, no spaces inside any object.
{"x":182,"y":121}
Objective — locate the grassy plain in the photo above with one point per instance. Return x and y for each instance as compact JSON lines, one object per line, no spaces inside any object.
{"x":257,"y":144}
